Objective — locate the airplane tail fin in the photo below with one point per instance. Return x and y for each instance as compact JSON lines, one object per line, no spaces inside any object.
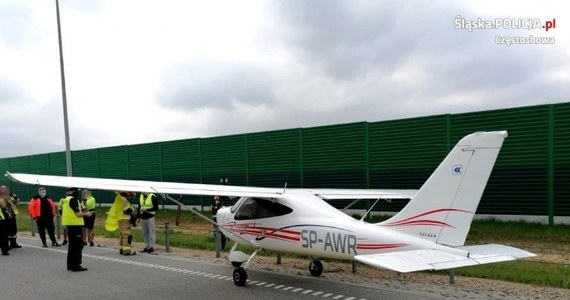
{"x":443,"y":208}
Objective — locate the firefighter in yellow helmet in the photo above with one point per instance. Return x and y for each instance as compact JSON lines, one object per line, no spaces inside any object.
{"x":126,"y":222}
{"x":11,"y":200}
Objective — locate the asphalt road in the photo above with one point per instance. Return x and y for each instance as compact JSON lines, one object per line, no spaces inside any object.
{"x":33,"y":272}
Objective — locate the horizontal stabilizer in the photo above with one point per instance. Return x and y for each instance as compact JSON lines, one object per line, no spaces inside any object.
{"x":432,"y":259}
{"x":482,"y":251}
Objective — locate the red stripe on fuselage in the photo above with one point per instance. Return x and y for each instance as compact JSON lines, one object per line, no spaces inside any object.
{"x":410,"y":220}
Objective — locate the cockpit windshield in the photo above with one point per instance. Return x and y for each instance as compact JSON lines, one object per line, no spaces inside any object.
{"x":259,"y":208}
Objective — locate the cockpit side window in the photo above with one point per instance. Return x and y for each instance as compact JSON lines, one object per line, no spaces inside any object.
{"x":236,"y":205}
{"x":259,"y":208}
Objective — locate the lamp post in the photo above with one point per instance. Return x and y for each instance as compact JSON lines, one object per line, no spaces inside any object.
{"x":64,"y":96}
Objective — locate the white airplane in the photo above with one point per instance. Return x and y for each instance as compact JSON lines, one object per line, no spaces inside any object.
{"x":427,"y":234}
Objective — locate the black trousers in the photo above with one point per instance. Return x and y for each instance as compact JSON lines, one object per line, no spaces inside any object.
{"x":75,"y":236}
{"x":43,"y":224}
{"x":11,"y":227}
{"x":3,"y":237}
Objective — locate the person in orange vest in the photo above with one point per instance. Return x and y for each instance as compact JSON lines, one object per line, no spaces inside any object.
{"x":42,"y":209}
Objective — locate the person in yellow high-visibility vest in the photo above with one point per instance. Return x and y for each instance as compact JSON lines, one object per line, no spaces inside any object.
{"x":148,"y":205}
{"x":89,"y":204}
{"x":72,"y":217}
{"x":60,"y":205}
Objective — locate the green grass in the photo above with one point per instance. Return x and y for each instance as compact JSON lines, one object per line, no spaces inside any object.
{"x":543,"y":274}
{"x":486,"y":231}
{"x":518,"y":231}
{"x":177,"y":238}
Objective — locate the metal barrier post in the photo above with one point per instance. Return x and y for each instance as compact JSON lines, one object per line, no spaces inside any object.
{"x":354,"y":266}
{"x":278,"y":258}
{"x":218,"y":240}
{"x":451,"y":276}
{"x":33,"y":226}
{"x":167,"y":236}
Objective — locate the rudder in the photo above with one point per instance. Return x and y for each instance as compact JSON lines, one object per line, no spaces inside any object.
{"x":444,"y":207}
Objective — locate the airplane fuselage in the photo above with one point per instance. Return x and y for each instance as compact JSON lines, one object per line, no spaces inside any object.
{"x":332,"y":235}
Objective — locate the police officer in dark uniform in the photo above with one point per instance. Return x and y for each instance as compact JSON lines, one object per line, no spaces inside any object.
{"x":3,"y":233}
{"x":72,"y":218}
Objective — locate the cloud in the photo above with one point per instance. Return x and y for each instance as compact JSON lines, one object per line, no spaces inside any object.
{"x":29,"y":127}
{"x":348,"y":39}
{"x":400,"y":60}
{"x":16,"y":20}
{"x":10,"y":91}
{"x":208,"y":84}
{"x":196,"y":70}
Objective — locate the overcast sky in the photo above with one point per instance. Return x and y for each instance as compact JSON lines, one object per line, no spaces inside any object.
{"x":145,"y":71}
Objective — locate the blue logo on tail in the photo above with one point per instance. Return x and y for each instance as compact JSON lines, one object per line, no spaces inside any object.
{"x":457,"y":170}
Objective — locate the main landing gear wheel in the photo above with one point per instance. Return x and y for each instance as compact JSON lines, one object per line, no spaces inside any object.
{"x":316,"y":268}
{"x":240,"y":276}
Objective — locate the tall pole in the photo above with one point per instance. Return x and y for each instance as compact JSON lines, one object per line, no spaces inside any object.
{"x":64,"y":96}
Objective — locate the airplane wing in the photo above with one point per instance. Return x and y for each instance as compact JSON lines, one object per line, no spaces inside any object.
{"x":198,"y":189}
{"x":145,"y":186}
{"x":432,"y":259}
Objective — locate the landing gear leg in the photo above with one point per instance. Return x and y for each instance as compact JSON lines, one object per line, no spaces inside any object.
{"x":233,"y":262}
{"x":316,"y":268}
{"x":240,"y":273}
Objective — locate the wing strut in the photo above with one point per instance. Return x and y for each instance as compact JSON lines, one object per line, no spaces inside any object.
{"x":371,"y":207}
{"x":194,"y":211}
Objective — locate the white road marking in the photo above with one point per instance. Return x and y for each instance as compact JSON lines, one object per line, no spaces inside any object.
{"x":198,"y":273}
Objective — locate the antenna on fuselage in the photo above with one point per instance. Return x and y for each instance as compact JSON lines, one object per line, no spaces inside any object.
{"x":285,"y":187}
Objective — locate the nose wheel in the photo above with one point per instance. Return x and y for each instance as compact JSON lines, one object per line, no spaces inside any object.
{"x":240,"y":273}
{"x":240,"y":276}
{"x":316,"y":268}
